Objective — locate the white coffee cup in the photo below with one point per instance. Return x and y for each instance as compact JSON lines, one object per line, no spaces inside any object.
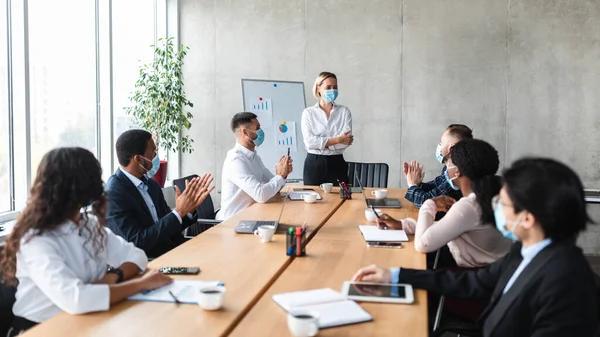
{"x":211,"y":298}
{"x":370,"y":215}
{"x":303,"y":323}
{"x":265,"y":233}
{"x":326,"y":187}
{"x":309,"y":198}
{"x":379,"y":194}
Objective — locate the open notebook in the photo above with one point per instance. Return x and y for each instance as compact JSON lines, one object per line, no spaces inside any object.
{"x":372,"y":233}
{"x":334,"y":309}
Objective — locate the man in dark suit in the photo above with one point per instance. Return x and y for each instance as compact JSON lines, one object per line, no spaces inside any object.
{"x":137,"y":209}
{"x":544,"y":285}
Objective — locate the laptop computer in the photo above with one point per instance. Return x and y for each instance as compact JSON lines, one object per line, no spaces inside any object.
{"x":249,"y":226}
{"x":379,"y":203}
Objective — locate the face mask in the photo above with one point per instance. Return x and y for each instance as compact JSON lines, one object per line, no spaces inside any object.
{"x":449,"y":180}
{"x":260,"y":137}
{"x":501,"y":223}
{"x":155,"y":166}
{"x":330,"y":95}
{"x":438,"y":153}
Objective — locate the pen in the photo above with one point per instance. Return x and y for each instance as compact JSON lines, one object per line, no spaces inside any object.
{"x":175,"y":298}
{"x":378,"y":217}
{"x":298,"y":241}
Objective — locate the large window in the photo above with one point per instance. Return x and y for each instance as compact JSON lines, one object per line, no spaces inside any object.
{"x":133,"y":34}
{"x":5,"y":164}
{"x":62,"y":70}
{"x":67,"y":69}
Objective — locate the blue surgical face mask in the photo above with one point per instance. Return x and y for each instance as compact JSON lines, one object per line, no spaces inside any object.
{"x":449,"y":180}
{"x":330,"y":95}
{"x":155,"y":166}
{"x":260,"y":137}
{"x":438,"y":153}
{"x":501,"y":223}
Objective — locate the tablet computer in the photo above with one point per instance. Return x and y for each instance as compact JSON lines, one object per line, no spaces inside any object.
{"x":378,"y":292}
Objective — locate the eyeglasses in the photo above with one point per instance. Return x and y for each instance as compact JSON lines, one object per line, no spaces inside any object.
{"x":496,"y":201}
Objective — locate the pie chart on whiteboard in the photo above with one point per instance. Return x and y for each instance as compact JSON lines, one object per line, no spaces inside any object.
{"x":283,"y":128}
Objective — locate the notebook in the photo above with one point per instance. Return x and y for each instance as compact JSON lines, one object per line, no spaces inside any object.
{"x":185,"y":291}
{"x":334,"y":309}
{"x":372,"y":233}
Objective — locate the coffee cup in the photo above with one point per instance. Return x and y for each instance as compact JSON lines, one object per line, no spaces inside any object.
{"x":265,"y":233}
{"x":379,"y":194}
{"x":309,"y":198}
{"x":370,"y":215}
{"x":326,"y":187}
{"x":211,"y":298}
{"x":303,"y":323}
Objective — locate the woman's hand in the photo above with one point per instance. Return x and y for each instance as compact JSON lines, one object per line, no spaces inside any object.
{"x":387,"y":222}
{"x":346,"y":138}
{"x":373,"y":273}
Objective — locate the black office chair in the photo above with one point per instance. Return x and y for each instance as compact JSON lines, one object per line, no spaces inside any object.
{"x":7,"y":300}
{"x":206,"y":211}
{"x":370,"y":175}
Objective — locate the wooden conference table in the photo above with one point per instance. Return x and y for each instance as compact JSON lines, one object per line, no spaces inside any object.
{"x":253,"y":272}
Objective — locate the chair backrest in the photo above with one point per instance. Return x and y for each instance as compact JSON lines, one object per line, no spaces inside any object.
{"x":206,"y":210}
{"x":7,"y":299}
{"x":370,"y":174}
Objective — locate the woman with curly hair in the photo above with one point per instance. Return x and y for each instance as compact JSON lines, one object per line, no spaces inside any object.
{"x":468,"y":228}
{"x":59,"y":257}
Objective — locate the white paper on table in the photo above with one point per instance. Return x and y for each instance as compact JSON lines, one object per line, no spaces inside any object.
{"x":372,"y":233}
{"x":185,"y":291}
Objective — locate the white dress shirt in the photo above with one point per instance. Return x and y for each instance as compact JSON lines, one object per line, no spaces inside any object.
{"x":143,"y":189}
{"x":528,"y":253}
{"x":246,"y":180}
{"x":317,"y":129}
{"x":55,"y":270}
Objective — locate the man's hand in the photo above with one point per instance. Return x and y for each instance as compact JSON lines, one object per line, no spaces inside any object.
{"x":443,"y":203}
{"x":414,"y":173}
{"x":374,"y":274}
{"x":283,"y":167}
{"x":194,"y":195}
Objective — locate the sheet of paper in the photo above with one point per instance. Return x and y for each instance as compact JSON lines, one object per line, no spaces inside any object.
{"x":263,"y":108}
{"x":185,"y":291}
{"x":285,"y":136}
{"x":339,"y":313}
{"x":372,"y":233}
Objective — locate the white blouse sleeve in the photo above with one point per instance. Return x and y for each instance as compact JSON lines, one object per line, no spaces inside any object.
{"x":311,"y":140}
{"x":47,"y":269}
{"x":119,"y":251}
{"x":347,"y":127}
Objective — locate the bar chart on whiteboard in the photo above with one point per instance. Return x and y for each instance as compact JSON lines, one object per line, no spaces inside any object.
{"x":286,"y":136}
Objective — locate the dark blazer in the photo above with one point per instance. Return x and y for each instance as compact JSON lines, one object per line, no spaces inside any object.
{"x":555,"y":295}
{"x":129,"y":216}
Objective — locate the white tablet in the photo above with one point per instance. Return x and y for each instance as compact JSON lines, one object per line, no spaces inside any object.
{"x":378,"y":292}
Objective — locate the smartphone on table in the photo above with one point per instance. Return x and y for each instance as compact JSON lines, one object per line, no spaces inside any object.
{"x":180,"y":270}
{"x":384,"y":244}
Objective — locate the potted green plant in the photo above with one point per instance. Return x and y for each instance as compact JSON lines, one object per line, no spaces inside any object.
{"x":158,"y":102}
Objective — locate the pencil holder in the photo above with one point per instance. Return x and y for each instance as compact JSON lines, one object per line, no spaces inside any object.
{"x":343,"y":195}
{"x":295,"y":241}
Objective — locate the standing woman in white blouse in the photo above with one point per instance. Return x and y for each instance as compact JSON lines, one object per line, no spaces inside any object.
{"x":327,"y":132}
{"x":60,"y":256}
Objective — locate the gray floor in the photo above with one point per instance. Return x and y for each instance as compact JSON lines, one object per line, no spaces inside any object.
{"x":594,"y":263}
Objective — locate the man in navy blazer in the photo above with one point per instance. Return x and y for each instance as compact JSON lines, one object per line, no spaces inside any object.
{"x":137,"y":209}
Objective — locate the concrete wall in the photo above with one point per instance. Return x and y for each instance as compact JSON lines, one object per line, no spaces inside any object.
{"x":523,"y":73}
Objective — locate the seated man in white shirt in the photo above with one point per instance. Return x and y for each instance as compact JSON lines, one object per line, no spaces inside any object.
{"x":246,"y":180}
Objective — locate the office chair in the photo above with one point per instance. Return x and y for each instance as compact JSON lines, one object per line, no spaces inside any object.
{"x":206,"y":211}
{"x":7,"y":300}
{"x":447,"y":321}
{"x":370,"y":174}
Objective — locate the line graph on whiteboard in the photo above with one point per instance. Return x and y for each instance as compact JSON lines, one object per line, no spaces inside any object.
{"x":286,"y":136}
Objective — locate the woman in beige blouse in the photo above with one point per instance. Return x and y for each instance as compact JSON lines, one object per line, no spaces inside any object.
{"x":468,"y":228}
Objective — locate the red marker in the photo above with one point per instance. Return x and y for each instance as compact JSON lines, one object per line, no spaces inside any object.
{"x":298,"y":241}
